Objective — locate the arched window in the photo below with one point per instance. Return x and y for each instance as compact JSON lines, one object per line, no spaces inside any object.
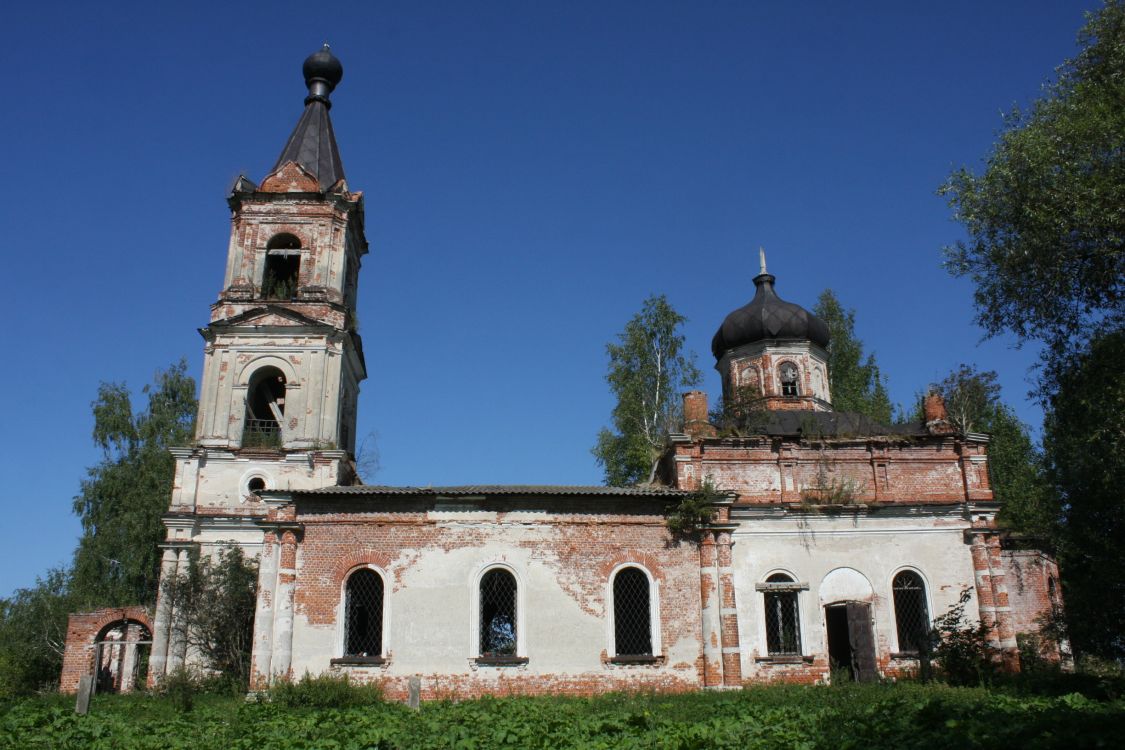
{"x":632,"y":613}
{"x":498,"y":613}
{"x":911,"y":613}
{"x":265,"y":409}
{"x":750,"y":383}
{"x":363,"y":614}
{"x":283,"y":266}
{"x":783,"y":621}
{"x":789,"y":379}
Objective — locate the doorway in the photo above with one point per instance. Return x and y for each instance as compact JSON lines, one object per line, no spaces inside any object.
{"x":851,"y":641}
{"x":121,"y":653}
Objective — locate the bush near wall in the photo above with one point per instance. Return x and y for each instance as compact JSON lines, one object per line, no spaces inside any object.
{"x":861,"y":717}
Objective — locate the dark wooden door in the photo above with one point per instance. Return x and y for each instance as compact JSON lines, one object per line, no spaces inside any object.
{"x":862,"y":641}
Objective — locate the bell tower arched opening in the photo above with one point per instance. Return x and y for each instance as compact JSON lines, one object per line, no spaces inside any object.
{"x":283,"y":267}
{"x":265,"y":409}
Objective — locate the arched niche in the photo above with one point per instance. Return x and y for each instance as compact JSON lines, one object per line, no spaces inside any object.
{"x":845,"y":585}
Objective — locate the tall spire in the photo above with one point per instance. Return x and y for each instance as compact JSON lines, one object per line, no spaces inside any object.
{"x":313,"y":144}
{"x":761,"y":261}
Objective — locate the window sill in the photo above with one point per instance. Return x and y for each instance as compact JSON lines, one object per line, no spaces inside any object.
{"x":626,"y":659}
{"x":780,"y":659}
{"x":501,"y":661}
{"x":358,"y":661}
{"x":910,"y":655}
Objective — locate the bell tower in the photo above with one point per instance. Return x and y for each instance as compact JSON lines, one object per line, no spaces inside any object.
{"x":282,"y":358}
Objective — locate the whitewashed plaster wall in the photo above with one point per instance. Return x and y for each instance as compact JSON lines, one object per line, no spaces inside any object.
{"x":810,"y":547}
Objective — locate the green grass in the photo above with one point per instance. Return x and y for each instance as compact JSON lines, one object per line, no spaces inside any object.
{"x":860,"y":717}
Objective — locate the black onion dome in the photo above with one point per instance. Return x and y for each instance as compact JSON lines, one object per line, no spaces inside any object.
{"x":322,"y":65}
{"x":767,"y":317}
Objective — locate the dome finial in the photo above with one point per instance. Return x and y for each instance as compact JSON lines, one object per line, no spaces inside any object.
{"x":323,"y":72}
{"x":762,"y":260}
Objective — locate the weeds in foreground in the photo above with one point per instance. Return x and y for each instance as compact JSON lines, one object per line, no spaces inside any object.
{"x":866,"y":717}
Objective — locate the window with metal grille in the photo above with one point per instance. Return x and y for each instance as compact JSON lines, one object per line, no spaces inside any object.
{"x":632,"y":621}
{"x":498,"y":613}
{"x":911,"y":613}
{"x":363,"y":616}
{"x":789,"y":380}
{"x":783,"y":623}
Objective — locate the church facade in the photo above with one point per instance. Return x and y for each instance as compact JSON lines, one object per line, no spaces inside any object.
{"x":833,"y":541}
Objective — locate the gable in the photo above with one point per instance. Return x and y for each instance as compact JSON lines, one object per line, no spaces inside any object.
{"x":268,"y":315}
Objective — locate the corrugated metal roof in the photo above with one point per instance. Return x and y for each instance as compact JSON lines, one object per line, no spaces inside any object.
{"x":498,"y":489}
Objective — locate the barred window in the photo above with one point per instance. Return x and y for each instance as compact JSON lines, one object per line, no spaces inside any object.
{"x":363,"y":614}
{"x":911,"y":613}
{"x":632,"y":615}
{"x":783,"y":622}
{"x":789,"y":379}
{"x":498,"y":613}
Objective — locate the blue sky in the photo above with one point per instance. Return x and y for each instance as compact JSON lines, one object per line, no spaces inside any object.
{"x":533,"y":171}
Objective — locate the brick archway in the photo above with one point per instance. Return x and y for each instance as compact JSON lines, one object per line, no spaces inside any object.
{"x":82,"y":633}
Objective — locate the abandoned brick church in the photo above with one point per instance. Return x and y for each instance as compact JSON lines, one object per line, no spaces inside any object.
{"x":522,"y":589}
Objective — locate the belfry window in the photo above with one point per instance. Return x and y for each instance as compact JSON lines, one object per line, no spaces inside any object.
{"x":363,"y":614}
{"x":498,"y":614}
{"x":911,"y":613}
{"x":265,"y":409}
{"x":789,"y":380}
{"x":783,"y":622}
{"x":283,"y":266}
{"x":632,"y":613}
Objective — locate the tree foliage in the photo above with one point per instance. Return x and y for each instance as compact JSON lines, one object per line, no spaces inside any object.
{"x":972,"y":399}
{"x":647,"y":370}
{"x":1046,"y":251}
{"x":854,"y":380}
{"x":33,"y":635}
{"x":214,"y":601}
{"x":124,"y":496}
{"x":1046,"y":218}
{"x":1084,"y":441}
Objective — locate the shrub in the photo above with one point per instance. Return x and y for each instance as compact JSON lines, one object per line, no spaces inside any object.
{"x":962,"y":649}
{"x":324,"y":691}
{"x":179,"y":687}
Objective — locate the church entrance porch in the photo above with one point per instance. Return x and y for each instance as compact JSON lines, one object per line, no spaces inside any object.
{"x":851,"y":641}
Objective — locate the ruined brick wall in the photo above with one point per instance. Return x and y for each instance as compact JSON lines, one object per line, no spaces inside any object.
{"x":82,"y":631}
{"x":563,"y":554}
{"x":766,"y":470}
{"x":1034,"y":594}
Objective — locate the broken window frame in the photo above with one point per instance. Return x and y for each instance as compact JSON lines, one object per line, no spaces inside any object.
{"x":912,"y":611}
{"x":782,"y":611}
{"x":789,"y":375}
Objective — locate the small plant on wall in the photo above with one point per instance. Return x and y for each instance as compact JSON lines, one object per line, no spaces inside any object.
{"x":693,"y":512}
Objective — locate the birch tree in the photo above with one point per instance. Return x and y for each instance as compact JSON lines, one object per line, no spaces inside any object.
{"x":648,"y":368}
